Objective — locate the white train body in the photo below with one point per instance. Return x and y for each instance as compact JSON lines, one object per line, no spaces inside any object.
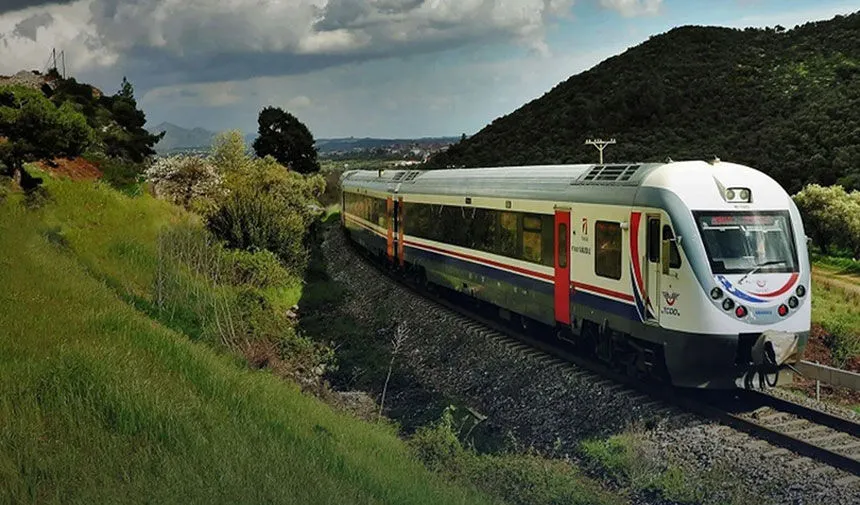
{"x":688,"y":262}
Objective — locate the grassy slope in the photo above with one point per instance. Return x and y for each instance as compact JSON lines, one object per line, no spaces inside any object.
{"x":100,"y":404}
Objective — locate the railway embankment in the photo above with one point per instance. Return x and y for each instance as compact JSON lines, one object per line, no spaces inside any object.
{"x":655,"y":451}
{"x":109,"y":395}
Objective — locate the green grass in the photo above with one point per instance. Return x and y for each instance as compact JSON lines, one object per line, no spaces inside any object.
{"x":99,"y":403}
{"x":838,"y":312}
{"x":624,"y":458}
{"x":840,"y":264}
{"x":523,"y":478}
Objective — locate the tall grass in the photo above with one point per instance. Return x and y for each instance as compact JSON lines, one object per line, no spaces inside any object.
{"x":838,"y":313}
{"x":100,"y":403}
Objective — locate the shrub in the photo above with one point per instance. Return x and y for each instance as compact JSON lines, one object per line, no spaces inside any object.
{"x":255,"y":220}
{"x":261,"y":269}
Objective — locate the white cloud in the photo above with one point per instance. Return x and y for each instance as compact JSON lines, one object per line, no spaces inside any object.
{"x":177,"y":32}
{"x":632,"y":8}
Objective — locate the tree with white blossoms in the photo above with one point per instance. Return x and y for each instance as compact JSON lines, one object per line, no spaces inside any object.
{"x":190,"y":181}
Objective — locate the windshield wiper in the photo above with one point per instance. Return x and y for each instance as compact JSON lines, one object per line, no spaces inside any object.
{"x":760,"y":265}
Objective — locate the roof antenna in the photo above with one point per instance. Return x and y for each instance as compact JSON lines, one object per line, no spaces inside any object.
{"x":715,"y":161}
{"x":669,"y":159}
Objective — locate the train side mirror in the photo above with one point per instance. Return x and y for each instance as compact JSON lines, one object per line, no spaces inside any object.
{"x":665,"y":256}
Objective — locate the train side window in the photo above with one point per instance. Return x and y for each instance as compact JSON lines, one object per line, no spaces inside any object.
{"x":532,"y":238}
{"x":653,"y":240}
{"x":607,"y":257}
{"x":507,"y":234}
{"x":547,"y":232}
{"x":674,"y":253}
{"x":562,"y":245}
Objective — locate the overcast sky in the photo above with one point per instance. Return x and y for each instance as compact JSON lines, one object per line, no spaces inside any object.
{"x":384,"y":68}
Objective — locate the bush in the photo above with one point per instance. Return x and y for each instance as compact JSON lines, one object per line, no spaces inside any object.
{"x":261,"y":269}
{"x":254,"y":220}
{"x":331,"y":195}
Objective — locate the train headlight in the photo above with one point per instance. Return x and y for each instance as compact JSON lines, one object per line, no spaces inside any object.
{"x":741,"y":311}
{"x":782,"y":310}
{"x":800,"y":291}
{"x":728,"y":304}
{"x":716,"y":293}
{"x":738,"y":195}
{"x":793,"y":302}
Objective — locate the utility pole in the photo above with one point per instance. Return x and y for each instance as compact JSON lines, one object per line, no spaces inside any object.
{"x":600,"y":145}
{"x":54,"y":57}
{"x":63,"y":58}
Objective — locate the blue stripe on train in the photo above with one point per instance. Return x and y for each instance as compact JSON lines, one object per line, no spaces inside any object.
{"x":493,"y":273}
{"x":605,"y":304}
{"x":596,"y":302}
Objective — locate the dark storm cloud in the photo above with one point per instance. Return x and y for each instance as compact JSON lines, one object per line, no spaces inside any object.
{"x":28,"y":27}
{"x":16,"y":5}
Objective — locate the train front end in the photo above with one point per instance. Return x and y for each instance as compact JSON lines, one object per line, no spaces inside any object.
{"x":744,"y":240}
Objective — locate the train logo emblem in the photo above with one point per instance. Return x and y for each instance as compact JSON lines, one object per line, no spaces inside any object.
{"x":670,"y":298}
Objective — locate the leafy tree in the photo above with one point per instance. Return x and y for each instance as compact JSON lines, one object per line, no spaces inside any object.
{"x":126,"y":137}
{"x":230,"y":154}
{"x":831,"y":217}
{"x":285,"y":138}
{"x":33,"y":128}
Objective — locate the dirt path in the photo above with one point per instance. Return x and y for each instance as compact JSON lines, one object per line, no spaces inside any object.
{"x":846,"y":282}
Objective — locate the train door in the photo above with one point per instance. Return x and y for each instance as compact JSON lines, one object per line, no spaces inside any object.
{"x":398,"y":230}
{"x":389,"y":221}
{"x":562,"y":266}
{"x":653,"y":268}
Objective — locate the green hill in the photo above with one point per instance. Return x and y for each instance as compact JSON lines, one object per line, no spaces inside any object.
{"x":786,"y":102}
{"x":102,"y":403}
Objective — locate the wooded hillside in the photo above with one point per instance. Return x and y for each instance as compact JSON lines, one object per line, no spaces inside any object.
{"x":784,"y":101}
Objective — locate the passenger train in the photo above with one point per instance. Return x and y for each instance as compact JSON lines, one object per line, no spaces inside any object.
{"x":693,"y":271}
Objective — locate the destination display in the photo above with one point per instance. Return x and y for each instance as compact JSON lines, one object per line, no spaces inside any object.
{"x":740,"y":219}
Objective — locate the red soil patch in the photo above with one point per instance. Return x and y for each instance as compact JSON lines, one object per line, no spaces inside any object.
{"x":818,"y":350}
{"x":77,"y":168}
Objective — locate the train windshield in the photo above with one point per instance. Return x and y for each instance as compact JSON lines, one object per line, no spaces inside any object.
{"x":748,"y":242}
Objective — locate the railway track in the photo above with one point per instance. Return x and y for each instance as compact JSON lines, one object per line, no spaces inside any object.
{"x":805,"y":431}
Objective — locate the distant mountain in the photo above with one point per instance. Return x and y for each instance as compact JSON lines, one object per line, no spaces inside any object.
{"x":178,"y":139}
{"x":784,"y":101}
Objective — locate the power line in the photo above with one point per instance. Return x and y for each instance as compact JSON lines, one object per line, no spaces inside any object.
{"x":600,"y":145}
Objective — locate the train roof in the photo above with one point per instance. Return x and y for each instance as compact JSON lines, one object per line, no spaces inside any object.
{"x":694,"y":181}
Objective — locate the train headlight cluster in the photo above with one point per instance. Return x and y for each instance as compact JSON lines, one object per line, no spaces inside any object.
{"x":738,"y":195}
{"x":741,"y":311}
{"x":783,"y":310}
{"x":793,"y":302}
{"x":728,"y":304}
{"x":800,"y":291}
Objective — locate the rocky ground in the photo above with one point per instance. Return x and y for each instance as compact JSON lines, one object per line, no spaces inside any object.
{"x":554,"y":408}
